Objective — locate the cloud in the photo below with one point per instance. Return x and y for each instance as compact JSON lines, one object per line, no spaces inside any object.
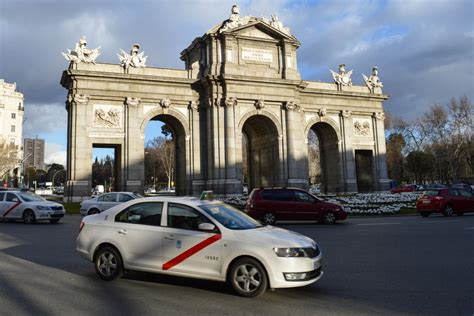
{"x":44,"y":118}
{"x":54,"y":153}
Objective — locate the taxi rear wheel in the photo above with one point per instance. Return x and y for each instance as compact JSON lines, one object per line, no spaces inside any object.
{"x":108,"y":263}
{"x":29,"y":217}
{"x":248,"y":277}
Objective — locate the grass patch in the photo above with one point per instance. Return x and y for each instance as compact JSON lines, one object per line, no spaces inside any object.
{"x":72,"y":207}
{"x":408,"y":211}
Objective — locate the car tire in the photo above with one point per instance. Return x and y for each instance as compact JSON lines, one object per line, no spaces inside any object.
{"x":29,"y":217}
{"x":54,"y":221}
{"x":269,"y":219}
{"x":93,"y":211}
{"x":329,"y":218}
{"x":425,"y":214}
{"x":448,"y":210}
{"x":248,"y":277}
{"x":108,"y":263}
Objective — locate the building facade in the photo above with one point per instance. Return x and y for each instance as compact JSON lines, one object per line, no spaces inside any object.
{"x":240,"y":80}
{"x":34,"y":153}
{"x":11,"y":128}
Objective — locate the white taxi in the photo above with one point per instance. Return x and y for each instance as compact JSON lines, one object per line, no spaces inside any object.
{"x":29,"y":207}
{"x":195,"y":238}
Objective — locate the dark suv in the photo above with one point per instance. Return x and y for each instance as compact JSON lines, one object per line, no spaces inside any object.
{"x":272,"y":204}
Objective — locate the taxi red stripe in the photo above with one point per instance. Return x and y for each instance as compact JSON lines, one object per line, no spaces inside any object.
{"x":11,"y":209}
{"x":191,"y":251}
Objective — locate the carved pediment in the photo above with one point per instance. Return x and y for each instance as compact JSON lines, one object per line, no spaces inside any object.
{"x":255,"y":32}
{"x":261,"y":29}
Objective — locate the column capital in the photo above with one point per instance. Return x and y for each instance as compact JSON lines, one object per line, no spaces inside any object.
{"x":292,"y":106}
{"x":82,"y":99}
{"x":230,"y":102}
{"x":379,"y":116}
{"x":131,"y":101}
{"x":346,"y":113}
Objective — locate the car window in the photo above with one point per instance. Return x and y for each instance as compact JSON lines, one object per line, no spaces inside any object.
{"x":111,"y":197}
{"x":125,"y":197}
{"x":230,"y":217}
{"x":303,"y":197}
{"x":29,"y":197}
{"x":453,"y":192}
{"x":142,"y":213}
{"x":2,"y":196}
{"x":12,"y":198}
{"x":463,"y":193}
{"x":431,"y":192}
{"x":278,"y":195}
{"x":184,"y":217}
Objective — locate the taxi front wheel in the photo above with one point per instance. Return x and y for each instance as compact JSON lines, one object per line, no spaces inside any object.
{"x":248,"y":277}
{"x":108,"y":264}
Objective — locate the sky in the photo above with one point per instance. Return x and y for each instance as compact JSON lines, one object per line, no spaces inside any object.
{"x":424,"y":48}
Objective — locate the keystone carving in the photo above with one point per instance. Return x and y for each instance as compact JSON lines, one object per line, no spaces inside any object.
{"x":322,"y":112}
{"x":259,"y":104}
{"x":165,"y":103}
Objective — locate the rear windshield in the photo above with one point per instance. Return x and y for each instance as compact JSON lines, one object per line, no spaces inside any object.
{"x":431,"y":193}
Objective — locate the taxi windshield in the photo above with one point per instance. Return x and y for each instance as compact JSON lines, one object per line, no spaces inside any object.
{"x":28,"y":197}
{"x":230,"y":217}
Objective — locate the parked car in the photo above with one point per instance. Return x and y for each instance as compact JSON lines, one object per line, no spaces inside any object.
{"x":404,"y":188}
{"x":102,"y":202}
{"x":29,"y":207}
{"x":203,"y":239}
{"x":464,"y":186}
{"x":272,"y":204}
{"x":447,"y":201}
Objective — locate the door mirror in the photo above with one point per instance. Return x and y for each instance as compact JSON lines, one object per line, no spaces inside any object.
{"x":208,"y":227}
{"x":15,"y":199}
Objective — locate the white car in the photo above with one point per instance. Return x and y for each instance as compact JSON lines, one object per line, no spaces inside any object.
{"x":29,"y":207}
{"x":198,"y":239}
{"x":100,"y":203}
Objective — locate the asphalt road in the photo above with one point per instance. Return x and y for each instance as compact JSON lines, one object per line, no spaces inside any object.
{"x":373,"y":266}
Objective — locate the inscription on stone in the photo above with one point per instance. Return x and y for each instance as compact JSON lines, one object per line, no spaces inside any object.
{"x":256,"y":54}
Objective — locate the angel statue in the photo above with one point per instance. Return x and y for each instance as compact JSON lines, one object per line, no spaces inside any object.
{"x":81,"y":53}
{"x":135,"y":59}
{"x":373,"y":81}
{"x":342,"y":78}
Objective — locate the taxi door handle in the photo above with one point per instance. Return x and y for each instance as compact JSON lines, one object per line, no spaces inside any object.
{"x":122,"y":232}
{"x":169,"y":237}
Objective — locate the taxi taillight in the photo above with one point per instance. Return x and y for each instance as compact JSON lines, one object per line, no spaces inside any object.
{"x":81,"y":226}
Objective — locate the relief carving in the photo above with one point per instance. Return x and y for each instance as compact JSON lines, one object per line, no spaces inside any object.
{"x":165,"y":103}
{"x":362,"y":127}
{"x":107,"y":116}
{"x":322,"y":112}
{"x":259,"y":104}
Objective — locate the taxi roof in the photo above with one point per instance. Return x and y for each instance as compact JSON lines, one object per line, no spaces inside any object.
{"x":190,"y":200}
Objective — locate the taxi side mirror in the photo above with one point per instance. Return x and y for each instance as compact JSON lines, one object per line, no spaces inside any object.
{"x":208,"y":227}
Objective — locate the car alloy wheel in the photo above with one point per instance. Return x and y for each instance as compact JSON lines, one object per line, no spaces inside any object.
{"x":29,"y":217}
{"x":108,"y":264}
{"x":329,"y":218}
{"x":248,"y":278}
{"x":448,"y":211}
{"x":269,"y":219}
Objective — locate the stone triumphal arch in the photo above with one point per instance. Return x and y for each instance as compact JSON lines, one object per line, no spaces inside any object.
{"x":240,"y":91}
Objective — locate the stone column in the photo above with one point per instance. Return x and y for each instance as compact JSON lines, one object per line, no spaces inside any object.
{"x":133,"y":151}
{"x":79,"y":150}
{"x":196,"y":172}
{"x":297,"y":162}
{"x":232,"y":183}
{"x":349,"y":169}
{"x":383,"y":183}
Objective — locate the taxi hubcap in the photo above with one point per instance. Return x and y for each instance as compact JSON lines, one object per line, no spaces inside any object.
{"x":107,"y":263}
{"x":248,"y":278}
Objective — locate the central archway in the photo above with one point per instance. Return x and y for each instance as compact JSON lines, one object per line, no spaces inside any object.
{"x":261,"y":148}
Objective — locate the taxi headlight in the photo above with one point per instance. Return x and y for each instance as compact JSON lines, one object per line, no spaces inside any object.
{"x":42,"y":208}
{"x":290,"y":252}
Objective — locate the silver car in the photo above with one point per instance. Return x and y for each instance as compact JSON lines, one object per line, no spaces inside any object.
{"x":102,"y":202}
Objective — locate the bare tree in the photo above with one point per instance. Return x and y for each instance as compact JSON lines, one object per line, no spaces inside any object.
{"x":162,"y":150}
{"x":314,"y":159}
{"x":8,"y":157}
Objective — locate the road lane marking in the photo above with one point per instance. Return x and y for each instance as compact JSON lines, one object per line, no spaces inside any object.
{"x":375,"y":224}
{"x":441,"y":221}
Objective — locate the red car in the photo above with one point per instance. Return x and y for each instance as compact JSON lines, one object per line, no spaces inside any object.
{"x":448,"y":201}
{"x":272,"y":204}
{"x":405,"y":188}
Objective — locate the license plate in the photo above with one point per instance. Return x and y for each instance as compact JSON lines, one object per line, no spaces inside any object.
{"x":426,"y":201}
